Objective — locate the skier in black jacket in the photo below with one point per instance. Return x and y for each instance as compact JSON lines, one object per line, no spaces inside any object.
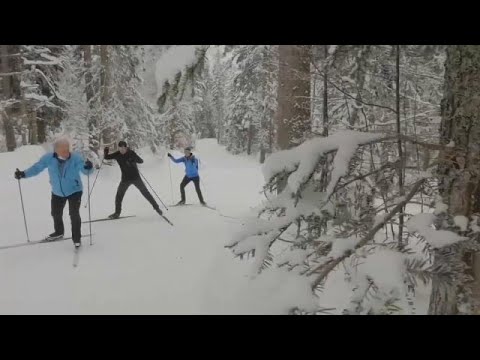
{"x":127,"y":160}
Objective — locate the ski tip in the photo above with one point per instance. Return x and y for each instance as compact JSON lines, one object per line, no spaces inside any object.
{"x":168,"y":221}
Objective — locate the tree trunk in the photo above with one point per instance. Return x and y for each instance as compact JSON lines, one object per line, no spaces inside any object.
{"x":250,"y":139}
{"x":460,"y":172}
{"x":262,"y":154}
{"x":293,"y":113}
{"x":400,"y":149}
{"x":90,"y":93}
{"x":361,"y":72}
{"x":107,"y":133}
{"x":9,"y":132}
{"x":41,"y":131}
{"x":33,"y":130}
{"x":24,"y":135}
{"x":7,"y":94}
{"x":325,"y":91}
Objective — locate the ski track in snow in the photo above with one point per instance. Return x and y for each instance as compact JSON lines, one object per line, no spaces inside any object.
{"x":142,"y":265}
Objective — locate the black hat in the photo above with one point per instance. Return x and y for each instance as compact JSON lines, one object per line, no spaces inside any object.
{"x":122,"y":144}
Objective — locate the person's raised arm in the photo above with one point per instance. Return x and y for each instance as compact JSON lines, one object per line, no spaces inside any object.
{"x":179,"y":160}
{"x":108,"y":156}
{"x":38,"y":167}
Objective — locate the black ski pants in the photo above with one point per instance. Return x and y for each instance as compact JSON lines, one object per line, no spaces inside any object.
{"x":196,"y":181}
{"x":122,"y":189}
{"x":74,"y":202}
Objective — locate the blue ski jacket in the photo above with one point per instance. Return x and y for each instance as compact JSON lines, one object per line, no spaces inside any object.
{"x":64,"y":175}
{"x":191,"y":165}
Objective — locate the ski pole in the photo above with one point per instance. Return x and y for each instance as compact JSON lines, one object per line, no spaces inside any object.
{"x":23,"y":209}
{"x":95,"y":181}
{"x":89,"y":209}
{"x":153,"y":190}
{"x":202,"y":180}
{"x":171,"y":184}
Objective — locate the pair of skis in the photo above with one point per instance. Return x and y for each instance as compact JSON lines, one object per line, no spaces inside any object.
{"x":76,"y":254}
{"x":37,"y":242}
{"x":4,"y":247}
{"x":205,"y":206}
{"x":123,"y":217}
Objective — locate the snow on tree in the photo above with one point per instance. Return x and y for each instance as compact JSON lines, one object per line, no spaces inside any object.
{"x":251,"y":98}
{"x":178,"y":104}
{"x":307,"y":217}
{"x":242,"y":91}
{"x":29,"y":88}
{"x":105,"y":103}
{"x":150,"y":54}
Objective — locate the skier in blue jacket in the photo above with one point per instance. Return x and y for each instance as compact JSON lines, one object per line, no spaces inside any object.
{"x":64,"y":168}
{"x":191,"y":170}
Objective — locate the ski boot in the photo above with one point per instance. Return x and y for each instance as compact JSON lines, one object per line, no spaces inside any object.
{"x":54,"y":236}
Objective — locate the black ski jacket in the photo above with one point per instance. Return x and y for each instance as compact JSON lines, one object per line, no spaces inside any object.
{"x":128,"y":164}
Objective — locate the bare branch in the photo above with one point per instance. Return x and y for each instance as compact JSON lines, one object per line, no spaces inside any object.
{"x":363,"y":176}
{"x":322,"y":74}
{"x":10,"y":74}
{"x":368,"y":237}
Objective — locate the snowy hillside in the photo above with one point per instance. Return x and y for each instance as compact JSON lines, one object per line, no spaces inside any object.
{"x":138,"y":265}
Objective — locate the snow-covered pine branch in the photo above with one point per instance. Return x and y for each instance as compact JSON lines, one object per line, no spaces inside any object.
{"x":296,"y":215}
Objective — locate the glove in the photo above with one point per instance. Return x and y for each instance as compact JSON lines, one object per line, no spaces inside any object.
{"x":169,"y":155}
{"x":19,"y":174}
{"x":88,"y":165}
{"x":106,"y":150}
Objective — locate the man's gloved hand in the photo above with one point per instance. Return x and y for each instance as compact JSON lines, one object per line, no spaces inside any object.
{"x":169,"y":155}
{"x":106,"y":150}
{"x":19,"y":174}
{"x":88,"y":165}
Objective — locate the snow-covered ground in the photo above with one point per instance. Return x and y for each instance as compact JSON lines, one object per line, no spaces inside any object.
{"x":139,"y":265}
{"x":142,"y":265}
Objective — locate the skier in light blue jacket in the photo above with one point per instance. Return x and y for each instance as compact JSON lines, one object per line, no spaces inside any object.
{"x":191,"y":174}
{"x":64,"y":168}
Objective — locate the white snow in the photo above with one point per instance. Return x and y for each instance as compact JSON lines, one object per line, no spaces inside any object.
{"x":140,"y":265}
{"x":332,"y":49}
{"x":461,"y":221}
{"x":474,"y":224}
{"x":440,"y":206}
{"x":348,"y":79}
{"x":422,"y":224}
{"x":304,"y":158}
{"x":37,"y":97}
{"x":386,"y":267}
{"x":274,"y":291}
{"x":259,"y":233}
{"x":172,"y":61}
{"x":341,"y":245}
{"x":293,"y":257}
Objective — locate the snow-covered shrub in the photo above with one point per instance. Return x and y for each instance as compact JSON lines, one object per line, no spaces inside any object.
{"x":333,"y":198}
